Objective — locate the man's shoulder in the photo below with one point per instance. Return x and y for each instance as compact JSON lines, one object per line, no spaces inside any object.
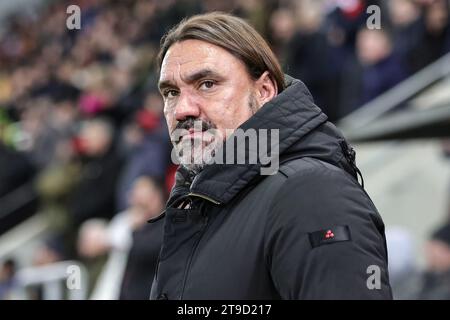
{"x":312,"y":168}
{"x":319,"y":190}
{"x":305,"y":177}
{"x":305,"y":171}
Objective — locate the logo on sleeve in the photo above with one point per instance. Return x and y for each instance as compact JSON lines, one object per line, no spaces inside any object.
{"x":328,"y":236}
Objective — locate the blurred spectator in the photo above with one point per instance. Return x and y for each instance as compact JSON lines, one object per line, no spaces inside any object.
{"x":8,"y":283}
{"x":145,"y":145}
{"x":376,"y":69}
{"x":282,"y":28}
{"x":382,"y":69}
{"x":47,"y":124}
{"x":92,"y":246}
{"x":404,"y":275}
{"x":308,"y":56}
{"x":93,"y":195}
{"x":50,"y":251}
{"x":406,"y":26}
{"x":55,"y":184}
{"x":435,"y":39}
{"x":132,"y":243}
{"x":436,"y":279}
{"x":147,"y":238}
{"x":343,"y":20}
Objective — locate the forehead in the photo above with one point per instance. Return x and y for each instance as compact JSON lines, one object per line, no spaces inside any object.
{"x":190,"y":55}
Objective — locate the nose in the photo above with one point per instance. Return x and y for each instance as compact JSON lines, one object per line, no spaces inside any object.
{"x":186,"y":107}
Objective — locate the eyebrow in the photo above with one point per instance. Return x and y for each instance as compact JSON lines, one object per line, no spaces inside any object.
{"x":190,"y":78}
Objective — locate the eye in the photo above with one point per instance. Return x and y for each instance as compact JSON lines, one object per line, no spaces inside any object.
{"x":170,"y":93}
{"x":207,"y":84}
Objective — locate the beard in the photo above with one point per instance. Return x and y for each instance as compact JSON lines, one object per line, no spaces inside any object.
{"x":197,"y":151}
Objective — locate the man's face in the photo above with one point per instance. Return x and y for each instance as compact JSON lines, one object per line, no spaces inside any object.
{"x":204,"y":87}
{"x":438,"y":256}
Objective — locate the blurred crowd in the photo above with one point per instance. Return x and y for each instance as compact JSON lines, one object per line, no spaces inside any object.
{"x":81,"y":117}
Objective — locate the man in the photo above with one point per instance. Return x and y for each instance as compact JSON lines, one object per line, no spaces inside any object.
{"x":308,"y":231}
{"x":131,"y":244}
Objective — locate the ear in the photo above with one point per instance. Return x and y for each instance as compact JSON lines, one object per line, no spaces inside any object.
{"x":266,"y":88}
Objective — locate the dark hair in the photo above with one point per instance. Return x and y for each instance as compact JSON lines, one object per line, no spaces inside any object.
{"x":232,"y":34}
{"x":442,"y":234}
{"x":158,"y":182}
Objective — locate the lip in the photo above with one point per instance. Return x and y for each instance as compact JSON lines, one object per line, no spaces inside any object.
{"x":191,"y":133}
{"x":195,"y":134}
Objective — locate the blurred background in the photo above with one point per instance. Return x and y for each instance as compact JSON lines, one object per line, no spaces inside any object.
{"x":85,"y":156}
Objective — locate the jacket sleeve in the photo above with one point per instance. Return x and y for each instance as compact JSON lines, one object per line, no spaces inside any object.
{"x":303,"y":263}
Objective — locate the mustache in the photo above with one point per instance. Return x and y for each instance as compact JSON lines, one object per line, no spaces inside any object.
{"x":191,"y":122}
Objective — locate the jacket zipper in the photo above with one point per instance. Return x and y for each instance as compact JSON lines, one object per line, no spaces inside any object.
{"x":194,"y":248}
{"x":203,"y":197}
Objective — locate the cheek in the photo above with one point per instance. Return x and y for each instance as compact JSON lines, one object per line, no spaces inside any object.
{"x":170,"y":120}
{"x":229,"y":110}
